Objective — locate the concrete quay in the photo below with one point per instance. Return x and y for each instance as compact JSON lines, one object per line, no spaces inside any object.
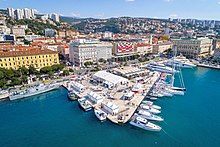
{"x":126,"y":107}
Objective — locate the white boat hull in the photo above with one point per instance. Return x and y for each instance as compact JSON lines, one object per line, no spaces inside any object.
{"x":144,"y":127}
{"x":100,"y":114}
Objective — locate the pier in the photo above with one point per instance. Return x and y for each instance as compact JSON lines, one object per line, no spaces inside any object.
{"x":131,"y":106}
{"x":209,"y":66}
{"x":126,"y":108}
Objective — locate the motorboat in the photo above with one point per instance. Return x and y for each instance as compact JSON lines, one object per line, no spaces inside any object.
{"x":4,"y":94}
{"x":166,"y":93}
{"x":156,"y":94}
{"x":160,"y":67}
{"x":149,"y":115}
{"x":101,"y":115}
{"x":151,"y":98}
{"x":178,"y":88}
{"x":180,"y":61}
{"x":149,"y":109}
{"x":149,"y":103}
{"x":142,"y":123}
{"x":83,"y":102}
{"x":175,"y":92}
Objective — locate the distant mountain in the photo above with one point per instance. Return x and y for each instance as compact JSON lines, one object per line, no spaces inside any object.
{"x":70,"y":20}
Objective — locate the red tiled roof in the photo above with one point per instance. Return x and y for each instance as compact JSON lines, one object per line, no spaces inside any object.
{"x":25,"y":51}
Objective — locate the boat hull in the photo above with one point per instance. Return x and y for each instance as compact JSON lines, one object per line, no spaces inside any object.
{"x":100,"y":117}
{"x":144,"y":127}
{"x":15,"y":97}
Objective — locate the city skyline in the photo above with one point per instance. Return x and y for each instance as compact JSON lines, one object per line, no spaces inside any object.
{"x":197,"y":9}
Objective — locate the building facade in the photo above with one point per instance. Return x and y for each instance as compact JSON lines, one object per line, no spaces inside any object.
{"x":19,"y":14}
{"x":79,"y":53}
{"x":27,"y":56}
{"x":49,"y":32}
{"x":193,"y":48}
{"x":18,"y":31}
{"x":161,"y":47}
{"x":11,"y":12}
{"x":144,"y":48}
{"x":55,"y":17}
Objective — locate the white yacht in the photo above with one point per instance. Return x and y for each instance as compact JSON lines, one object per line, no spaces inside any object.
{"x":149,"y":109}
{"x":149,"y":116}
{"x":4,"y":94}
{"x":166,"y":93}
{"x":155,"y":95}
{"x":142,"y":123}
{"x":35,"y":90}
{"x":160,"y":67}
{"x":180,"y":61}
{"x":101,"y":115}
{"x":149,"y":103}
{"x":83,"y":102}
{"x":178,"y":88}
{"x":175,"y":92}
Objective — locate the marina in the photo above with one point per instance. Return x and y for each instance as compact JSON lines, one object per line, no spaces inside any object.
{"x":180,"y":119}
{"x":114,"y":96}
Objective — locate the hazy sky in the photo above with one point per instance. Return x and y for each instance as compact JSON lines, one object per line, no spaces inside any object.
{"x":201,"y":9}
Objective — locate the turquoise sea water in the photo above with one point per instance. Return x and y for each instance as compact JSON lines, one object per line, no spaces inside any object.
{"x":52,"y":120}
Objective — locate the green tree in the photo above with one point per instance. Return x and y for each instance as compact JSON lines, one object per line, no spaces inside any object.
{"x":57,"y":67}
{"x":26,"y":42}
{"x":46,"y":69}
{"x":88,"y":63}
{"x":9,"y":73}
{"x":66,"y":72}
{"x":71,"y":70}
{"x":32,"y":70}
{"x":24,"y":79}
{"x":1,"y":75}
{"x":3,"y":83}
{"x":50,"y":73}
{"x":23,"y":70}
{"x":15,"y":81}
